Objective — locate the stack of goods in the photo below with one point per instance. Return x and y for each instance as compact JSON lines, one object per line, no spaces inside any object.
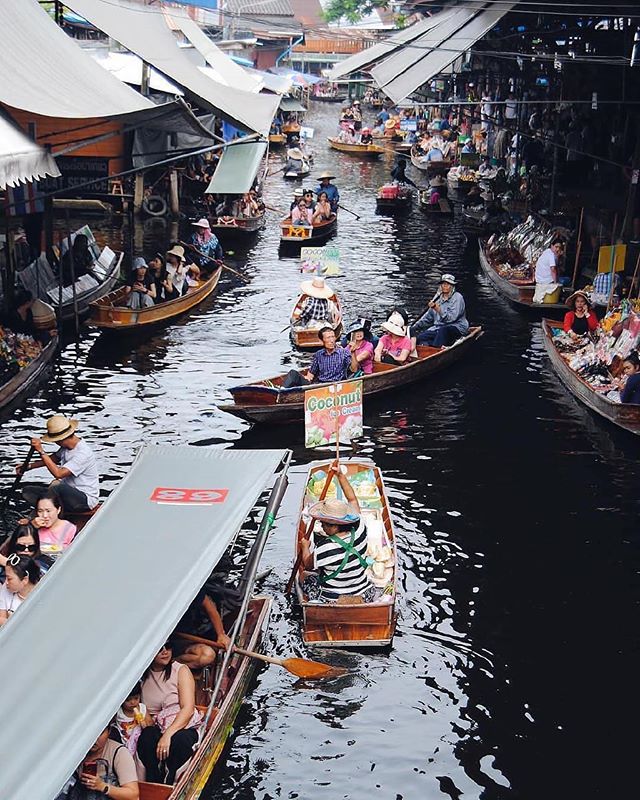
{"x":363,"y":483}
{"x":389,"y":192}
{"x":513,"y":255}
{"x":17,"y":350}
{"x":462,"y":176}
{"x":596,"y":358}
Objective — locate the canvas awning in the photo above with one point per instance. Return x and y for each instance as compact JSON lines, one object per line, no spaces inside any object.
{"x":22,"y":160}
{"x":371,"y":55}
{"x":291,"y":104}
{"x":280,"y":84}
{"x":94,"y":623}
{"x":237,"y":168}
{"x":145,"y":32}
{"x":406,"y":70}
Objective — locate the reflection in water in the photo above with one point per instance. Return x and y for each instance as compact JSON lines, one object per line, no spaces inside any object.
{"x":515,"y":512}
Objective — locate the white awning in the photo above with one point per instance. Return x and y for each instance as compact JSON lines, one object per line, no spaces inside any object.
{"x":144,"y":30}
{"x":373,"y":54}
{"x":45,"y":72}
{"x":405,"y":71}
{"x":94,"y":623}
{"x":127,"y":67}
{"x":22,"y":160}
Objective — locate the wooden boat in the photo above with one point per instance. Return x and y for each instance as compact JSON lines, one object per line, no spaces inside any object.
{"x":624,"y":415}
{"x":441,"y":208}
{"x":328,"y":98}
{"x":363,"y":150}
{"x":352,"y":624}
{"x":305,"y":235}
{"x":239,"y":228}
{"x":291,"y":127}
{"x":307,"y":338}
{"x":268,"y":401}
{"x":432,"y":168}
{"x":106,"y":314}
{"x":20,"y":385}
{"x":297,"y":175}
{"x":459,"y":185}
{"x":390,"y":205}
{"x":519,"y":292}
{"x":277,"y":139}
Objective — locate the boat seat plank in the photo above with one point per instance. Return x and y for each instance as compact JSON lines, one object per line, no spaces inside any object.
{"x":154,"y":791}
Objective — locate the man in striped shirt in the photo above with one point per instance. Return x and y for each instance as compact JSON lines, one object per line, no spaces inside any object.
{"x":339,"y":556}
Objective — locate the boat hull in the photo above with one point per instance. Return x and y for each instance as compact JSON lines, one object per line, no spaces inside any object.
{"x":520,"y":296}
{"x":624,"y":415}
{"x":393,"y":205}
{"x":362,"y":150}
{"x":108,"y":316}
{"x":303,"y":236}
{"x":28,"y":378}
{"x":85,"y":299}
{"x":265,"y":401}
{"x":242,"y":228}
{"x":443,"y":208}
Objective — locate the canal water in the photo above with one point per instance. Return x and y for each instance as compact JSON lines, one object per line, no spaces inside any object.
{"x":513,"y":673}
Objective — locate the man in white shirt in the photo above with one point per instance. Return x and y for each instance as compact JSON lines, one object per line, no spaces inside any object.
{"x":546,"y":272}
{"x":510,"y":109}
{"x":73,"y":467}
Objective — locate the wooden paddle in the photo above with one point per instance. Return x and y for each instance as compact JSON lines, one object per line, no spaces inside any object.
{"x":357,"y":216}
{"x":300,"y":667}
{"x":332,"y":471}
{"x":19,"y":476}
{"x":216,"y":261}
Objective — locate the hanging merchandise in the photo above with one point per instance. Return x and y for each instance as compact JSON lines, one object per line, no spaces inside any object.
{"x":17,"y":350}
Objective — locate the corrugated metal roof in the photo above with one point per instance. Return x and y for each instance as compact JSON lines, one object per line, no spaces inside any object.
{"x":262,"y":8}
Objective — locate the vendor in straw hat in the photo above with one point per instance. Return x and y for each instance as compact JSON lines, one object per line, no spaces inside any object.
{"x":339,"y":555}
{"x":73,"y":467}
{"x":331,"y":191}
{"x":317,"y":306}
{"x":206,"y":242}
{"x":581,"y":319}
{"x":445,"y":319}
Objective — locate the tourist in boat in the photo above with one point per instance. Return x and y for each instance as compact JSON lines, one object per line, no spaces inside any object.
{"x":394,"y":346}
{"x":317,"y":306}
{"x":307,"y":196}
{"x":546,"y":271}
{"x":82,"y":260}
{"x":331,"y":191}
{"x":361,"y":348}
{"x":302,"y":214}
{"x":338,"y":558}
{"x":202,"y":618}
{"x":356,"y":111}
{"x":131,"y":718}
{"x":581,"y":319}
{"x":445,"y":320}
{"x":25,"y":543}
{"x":398,"y":172}
{"x":249,"y":206}
{"x":56,"y":534}
{"x":175,"y":283}
{"x":206,"y":243}
{"x":73,"y":467}
{"x":435,"y":153}
{"x":297,"y":194}
{"x":631,"y":390}
{"x":365,"y":324}
{"x":322,"y":212}
{"x":21,"y":576}
{"x":330,"y":364}
{"x":168,"y":692}
{"x":119,"y":781}
{"x":366,"y":137}
{"x":141,"y":290}
{"x":156,"y":269}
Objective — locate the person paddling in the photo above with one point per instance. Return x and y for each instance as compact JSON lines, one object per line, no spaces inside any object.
{"x":73,"y":467}
{"x":329,"y":189}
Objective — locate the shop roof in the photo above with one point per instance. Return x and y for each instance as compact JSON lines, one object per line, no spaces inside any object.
{"x":237,"y":168}
{"x":22,"y":160}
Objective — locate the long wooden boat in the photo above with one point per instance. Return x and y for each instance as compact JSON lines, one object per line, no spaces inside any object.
{"x":28,"y":378}
{"x":291,"y":127}
{"x":458,"y":185}
{"x":297,"y":174}
{"x":391,"y":205}
{"x":84,"y":299}
{"x":240,"y":228}
{"x":107,"y":314}
{"x":307,"y":338}
{"x":268,"y":401}
{"x":277,"y":139}
{"x":442,"y":208}
{"x":363,"y":150}
{"x":328,"y":98}
{"x":432,"y":168}
{"x":355,"y":623}
{"x":624,"y":415}
{"x":519,"y":293}
{"x":305,"y":235}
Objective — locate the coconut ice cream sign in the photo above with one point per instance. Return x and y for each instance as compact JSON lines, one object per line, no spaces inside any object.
{"x":333,"y":412}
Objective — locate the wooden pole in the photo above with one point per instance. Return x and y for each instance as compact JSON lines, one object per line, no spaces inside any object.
{"x":613,"y":261}
{"x":76,"y":320}
{"x":174,"y":196}
{"x":578,"y":249}
{"x":635,"y":276}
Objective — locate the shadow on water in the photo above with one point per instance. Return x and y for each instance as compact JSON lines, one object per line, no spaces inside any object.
{"x":516,"y":513}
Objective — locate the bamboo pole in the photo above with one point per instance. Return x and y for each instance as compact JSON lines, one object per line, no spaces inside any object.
{"x":578,"y":249}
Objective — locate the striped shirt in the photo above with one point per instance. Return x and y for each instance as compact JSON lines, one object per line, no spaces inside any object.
{"x":329,"y":367}
{"x":328,"y":556}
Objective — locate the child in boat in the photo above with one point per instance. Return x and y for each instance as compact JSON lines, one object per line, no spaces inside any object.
{"x":131,"y":718}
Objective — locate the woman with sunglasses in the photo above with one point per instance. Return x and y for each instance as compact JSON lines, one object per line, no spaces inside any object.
{"x":25,"y":541}
{"x":169,"y":693}
{"x":21,"y":576}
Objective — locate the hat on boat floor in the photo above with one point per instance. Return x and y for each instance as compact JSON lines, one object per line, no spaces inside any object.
{"x":203,"y":222}
{"x":59,"y":427}
{"x":326,"y":174}
{"x":317,"y":288}
{"x":395,"y":324}
{"x":177,"y":250}
{"x":332,"y":510}
{"x":447,"y":277}
{"x":571,"y":300}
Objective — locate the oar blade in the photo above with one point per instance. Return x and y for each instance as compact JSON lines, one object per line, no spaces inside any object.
{"x":303,"y":668}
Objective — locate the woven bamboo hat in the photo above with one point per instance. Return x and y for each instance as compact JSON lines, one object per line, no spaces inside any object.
{"x":336,"y":511}
{"x":317,"y":288}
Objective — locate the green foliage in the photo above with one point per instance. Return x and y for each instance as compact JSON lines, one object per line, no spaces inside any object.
{"x":351,"y":10}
